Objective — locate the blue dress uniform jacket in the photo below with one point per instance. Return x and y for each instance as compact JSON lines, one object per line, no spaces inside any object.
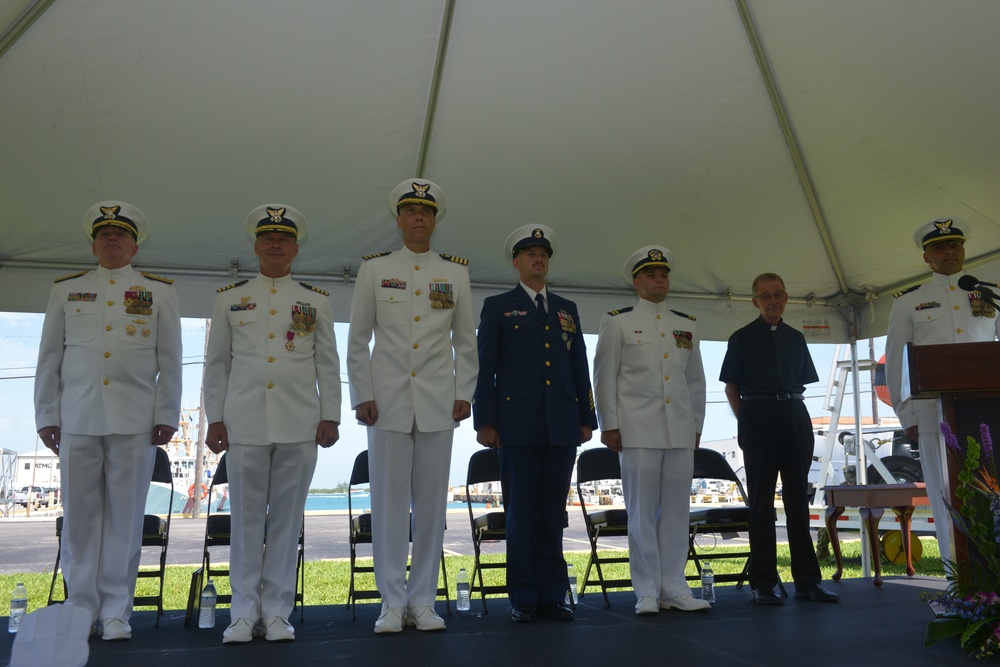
{"x":534,"y":384}
{"x":101,"y":369}
{"x":424,"y":357}
{"x":267,"y":381}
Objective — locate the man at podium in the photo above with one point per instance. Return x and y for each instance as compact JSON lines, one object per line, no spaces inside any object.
{"x":937,"y":312}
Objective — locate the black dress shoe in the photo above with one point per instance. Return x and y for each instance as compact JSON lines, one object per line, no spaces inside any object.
{"x":523,"y":613}
{"x":816,"y":593}
{"x":766,"y":596}
{"x":555,"y":611}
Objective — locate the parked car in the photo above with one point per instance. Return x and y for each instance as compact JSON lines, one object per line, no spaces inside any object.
{"x":37,"y":496}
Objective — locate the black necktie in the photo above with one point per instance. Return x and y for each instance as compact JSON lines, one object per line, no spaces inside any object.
{"x":540,"y":302}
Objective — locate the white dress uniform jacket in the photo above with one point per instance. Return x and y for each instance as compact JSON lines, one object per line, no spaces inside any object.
{"x":649,"y":382}
{"x":266,"y":380}
{"x":424,"y":357}
{"x":935,"y":313}
{"x":102,"y":370}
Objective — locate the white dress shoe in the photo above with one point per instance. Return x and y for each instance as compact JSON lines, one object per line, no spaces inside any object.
{"x":647,"y":605}
{"x":685,"y":603}
{"x":115,"y":629}
{"x":424,"y":618}
{"x":240,"y":631}
{"x":390,"y":620}
{"x":277,"y":629}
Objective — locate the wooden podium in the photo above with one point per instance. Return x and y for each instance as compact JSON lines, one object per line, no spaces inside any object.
{"x":966,"y":378}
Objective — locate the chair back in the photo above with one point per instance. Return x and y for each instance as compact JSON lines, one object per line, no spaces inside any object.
{"x":710,"y":464}
{"x":484,"y":466}
{"x":220,"y":476}
{"x":359,"y":475}
{"x":161,"y":468}
{"x":598,"y":463}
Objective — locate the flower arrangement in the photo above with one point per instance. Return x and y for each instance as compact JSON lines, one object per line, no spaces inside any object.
{"x":971,"y":603}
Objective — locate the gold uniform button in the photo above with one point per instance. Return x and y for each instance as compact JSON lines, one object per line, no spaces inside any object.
{"x":107,"y":327}
{"x":657,"y":316}
{"x":270,"y":385}
{"x":548,"y":382}
{"x":112,"y":281}
{"x":508,"y":398}
{"x":416,"y":319}
{"x":416,"y":345}
{"x":392,"y":298}
{"x":517,"y":327}
{"x":416,"y":267}
{"x":955,"y":307}
{"x":417,"y":292}
{"x":546,"y":327}
{"x":958,"y":330}
{"x":107,"y":381}
{"x":665,"y":355}
{"x":107,"y":354}
{"x":270,"y":360}
{"x":663,"y":335}
{"x":274,"y":312}
{"x":666,"y":377}
{"x":413,"y":374}
{"x":951,"y":287}
{"x":548,"y":363}
{"x":547,"y":346}
{"x":270,"y":335}
{"x":111,"y":303}
{"x":667,"y":400}
{"x":274,"y":291}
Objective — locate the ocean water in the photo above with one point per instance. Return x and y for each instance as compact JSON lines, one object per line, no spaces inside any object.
{"x":359,"y":502}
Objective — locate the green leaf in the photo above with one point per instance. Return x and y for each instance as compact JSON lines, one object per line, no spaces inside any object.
{"x":942,"y":628}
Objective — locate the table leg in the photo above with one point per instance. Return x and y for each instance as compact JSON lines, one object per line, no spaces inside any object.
{"x":832,"y":514}
{"x":871,"y":516}
{"x":905,"y":515}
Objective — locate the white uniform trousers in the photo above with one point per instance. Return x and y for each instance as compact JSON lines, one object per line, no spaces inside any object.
{"x":928,"y":413}
{"x":408,"y":469}
{"x":268,"y":485}
{"x":657,"y":488}
{"x":105,"y":480}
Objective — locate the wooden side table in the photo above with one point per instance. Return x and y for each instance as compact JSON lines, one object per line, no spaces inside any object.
{"x":871,"y":501}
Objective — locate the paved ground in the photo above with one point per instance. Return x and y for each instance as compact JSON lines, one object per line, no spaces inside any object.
{"x":29,"y":545}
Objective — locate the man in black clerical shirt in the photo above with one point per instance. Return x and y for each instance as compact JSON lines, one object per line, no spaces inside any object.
{"x":766,"y":368}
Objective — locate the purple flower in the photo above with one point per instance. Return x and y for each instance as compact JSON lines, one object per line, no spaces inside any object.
{"x":950,"y":439}
{"x":984,"y":437}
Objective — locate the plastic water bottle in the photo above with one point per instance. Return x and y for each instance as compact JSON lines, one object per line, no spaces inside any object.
{"x":18,"y":607}
{"x":463,"y":590}
{"x":571,"y":574}
{"x":707,"y":583}
{"x":206,"y":617}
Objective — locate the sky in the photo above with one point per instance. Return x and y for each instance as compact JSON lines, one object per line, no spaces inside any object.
{"x":20,"y":333}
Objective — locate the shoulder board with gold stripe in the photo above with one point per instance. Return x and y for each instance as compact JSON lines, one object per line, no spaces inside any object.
{"x":378,"y":254}
{"x":452,"y":258}
{"x":315,"y":289}
{"x":896,"y":295}
{"x":70,"y":276}
{"x":612,"y":313}
{"x":159,"y":278}
{"x":229,"y":287}
{"x":680,"y":314}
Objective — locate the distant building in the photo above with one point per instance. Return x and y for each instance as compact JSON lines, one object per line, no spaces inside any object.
{"x":37,"y":469}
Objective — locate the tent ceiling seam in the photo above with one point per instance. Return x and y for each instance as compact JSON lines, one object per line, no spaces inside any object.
{"x":21,"y":25}
{"x":435,"y":91}
{"x":793,"y":146}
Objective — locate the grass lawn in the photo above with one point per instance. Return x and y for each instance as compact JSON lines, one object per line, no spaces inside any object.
{"x":327,"y":581}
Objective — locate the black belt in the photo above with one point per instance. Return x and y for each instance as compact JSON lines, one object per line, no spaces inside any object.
{"x":772,"y":397}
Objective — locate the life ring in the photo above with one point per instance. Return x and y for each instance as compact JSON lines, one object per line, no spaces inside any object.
{"x":204,"y":491}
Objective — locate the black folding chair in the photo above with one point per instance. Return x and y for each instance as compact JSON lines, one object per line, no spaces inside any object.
{"x":491,"y":526}
{"x":218,"y":533}
{"x":360,"y":532}
{"x":594,"y":465}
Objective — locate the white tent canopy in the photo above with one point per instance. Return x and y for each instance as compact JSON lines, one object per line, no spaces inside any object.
{"x":619,"y":124}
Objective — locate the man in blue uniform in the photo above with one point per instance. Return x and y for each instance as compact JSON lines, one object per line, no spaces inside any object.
{"x":107,"y":393}
{"x":534,"y":402}
{"x":766,"y":368}
{"x":934,"y":313}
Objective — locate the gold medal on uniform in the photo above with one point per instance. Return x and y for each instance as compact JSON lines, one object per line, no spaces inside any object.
{"x":290,"y":345}
{"x":442,"y":295}
{"x":683,"y":339}
{"x":980,"y":306}
{"x":138,"y":301}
